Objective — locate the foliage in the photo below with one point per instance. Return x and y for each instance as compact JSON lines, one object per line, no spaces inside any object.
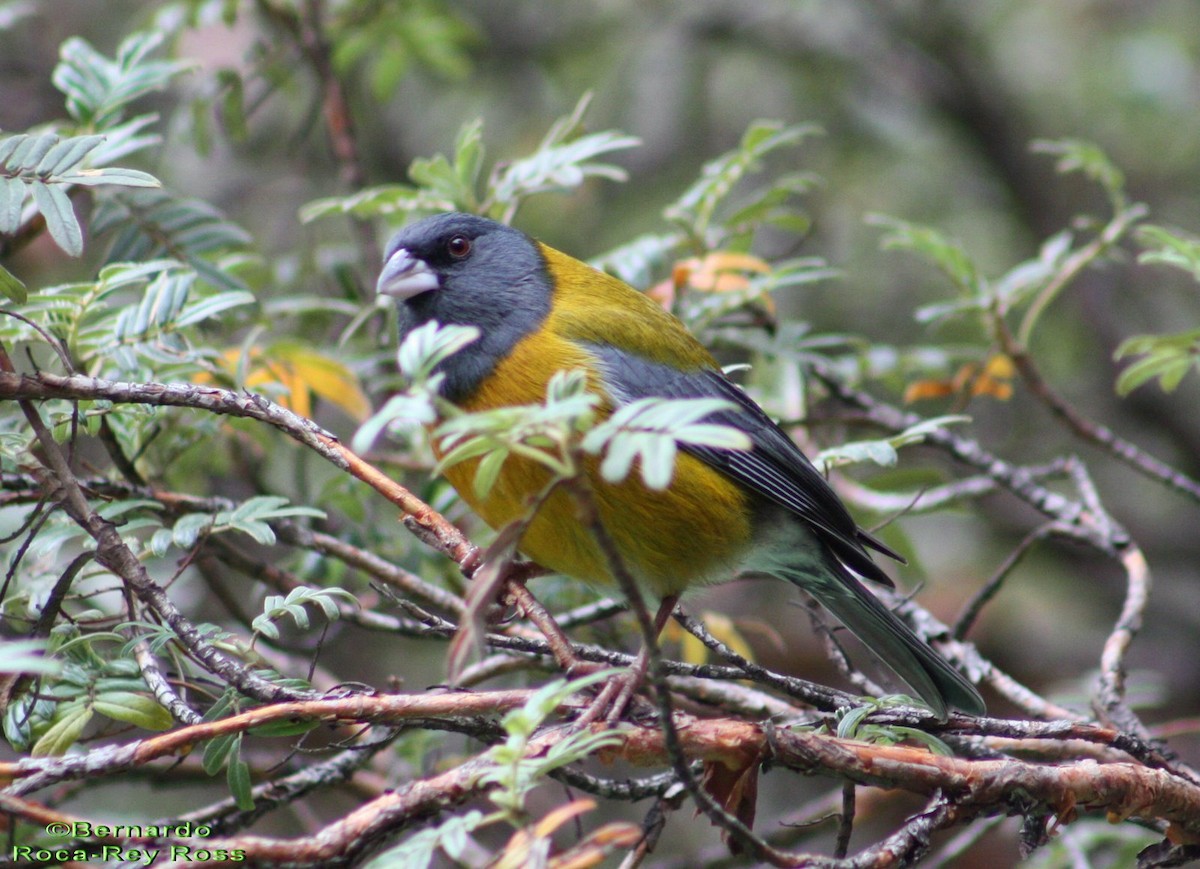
{"x":186,"y":245}
{"x":563,"y":160}
{"x":509,"y":774}
{"x":554,"y":434}
{"x":278,"y":606}
{"x":853,"y":724}
{"x":651,"y":430}
{"x":84,"y":685}
{"x":883,"y":452}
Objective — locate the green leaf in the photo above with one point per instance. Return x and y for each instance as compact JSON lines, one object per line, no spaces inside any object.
{"x":137,"y":709}
{"x":438,"y":178}
{"x":9,"y":146}
{"x":649,"y":429}
{"x":539,"y":432}
{"x":423,"y":348}
{"x":562,"y":167}
{"x":380,"y":201}
{"x":468,"y":155}
{"x":262,"y":507}
{"x":110,"y":175}
{"x":12,"y":287}
{"x":207,"y":308}
{"x":1032,"y":275}
{"x":218,"y":751}
{"x":69,"y":723}
{"x":912,"y":734}
{"x":12,"y":197}
{"x":99,"y":89}
{"x":884,"y":452}
{"x":416,"y":409}
{"x":697,"y":207}
{"x":523,"y":722}
{"x":186,"y":530}
{"x":276,"y":607}
{"x":28,"y":150}
{"x":55,"y":206}
{"x":488,"y":471}
{"x":65,"y":155}
{"x":458,"y":446}
{"x":513,"y":772}
{"x":1078,"y":155}
{"x":850,"y":720}
{"x":161,"y":303}
{"x":284,"y":728}
{"x":227,"y":701}
{"x":417,"y":851}
{"x":879,"y":452}
{"x":147,"y":224}
{"x":27,"y":656}
{"x":1168,"y":358}
{"x":126,"y":138}
{"x":563,"y":160}
{"x":1171,"y":249}
{"x":637,"y":262}
{"x":250,"y":517}
{"x":232,"y":105}
{"x":925,"y":241}
{"x":237,"y":774}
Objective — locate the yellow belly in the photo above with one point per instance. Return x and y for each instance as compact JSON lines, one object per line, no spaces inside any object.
{"x":695,"y":532}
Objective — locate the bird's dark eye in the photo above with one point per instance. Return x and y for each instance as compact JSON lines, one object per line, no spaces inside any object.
{"x":459,"y":246}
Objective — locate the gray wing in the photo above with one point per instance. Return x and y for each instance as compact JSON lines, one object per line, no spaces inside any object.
{"x":774,"y":467}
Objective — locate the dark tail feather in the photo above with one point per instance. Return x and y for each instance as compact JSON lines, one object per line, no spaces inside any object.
{"x":882,"y":631}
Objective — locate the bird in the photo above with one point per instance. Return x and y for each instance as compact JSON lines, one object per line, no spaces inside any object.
{"x":763,"y":510}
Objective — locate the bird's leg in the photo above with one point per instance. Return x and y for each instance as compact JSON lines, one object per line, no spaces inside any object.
{"x":637,"y":673}
{"x":560,"y":644}
{"x":618,"y":691}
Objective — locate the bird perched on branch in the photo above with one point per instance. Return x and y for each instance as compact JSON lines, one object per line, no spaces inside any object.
{"x":765,"y":510}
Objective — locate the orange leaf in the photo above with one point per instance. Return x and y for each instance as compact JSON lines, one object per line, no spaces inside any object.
{"x":970,"y":379}
{"x":1000,"y":366}
{"x":723,"y":272}
{"x":592,"y":850}
{"x":300,"y":372}
{"x":997,"y":389}
{"x":923,"y":390}
{"x":561,"y":815}
{"x":736,"y":789}
{"x":663,"y":293}
{"x":589,"y":852}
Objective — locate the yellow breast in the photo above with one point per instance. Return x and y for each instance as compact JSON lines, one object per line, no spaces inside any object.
{"x":694,"y":532}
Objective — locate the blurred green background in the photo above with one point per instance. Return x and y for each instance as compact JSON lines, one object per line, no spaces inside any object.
{"x":927,"y":109}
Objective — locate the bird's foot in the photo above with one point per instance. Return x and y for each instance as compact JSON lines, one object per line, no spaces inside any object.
{"x":618,"y":692}
{"x":616,"y":695}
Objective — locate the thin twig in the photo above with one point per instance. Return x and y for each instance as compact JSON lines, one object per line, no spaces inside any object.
{"x":974,"y":606}
{"x":1087,"y":429}
{"x":112,"y":552}
{"x":817,"y":695}
{"x":225,"y":816}
{"x":306,"y":26}
{"x":427,"y":523}
{"x":1076,"y":263}
{"x":653,"y":825}
{"x":1110,"y":691}
{"x":845,"y":821}
{"x":162,"y":690}
{"x":738,"y":831}
{"x":1016,"y":479}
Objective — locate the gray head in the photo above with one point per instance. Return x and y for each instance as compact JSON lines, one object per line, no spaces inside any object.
{"x":464,"y":269}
